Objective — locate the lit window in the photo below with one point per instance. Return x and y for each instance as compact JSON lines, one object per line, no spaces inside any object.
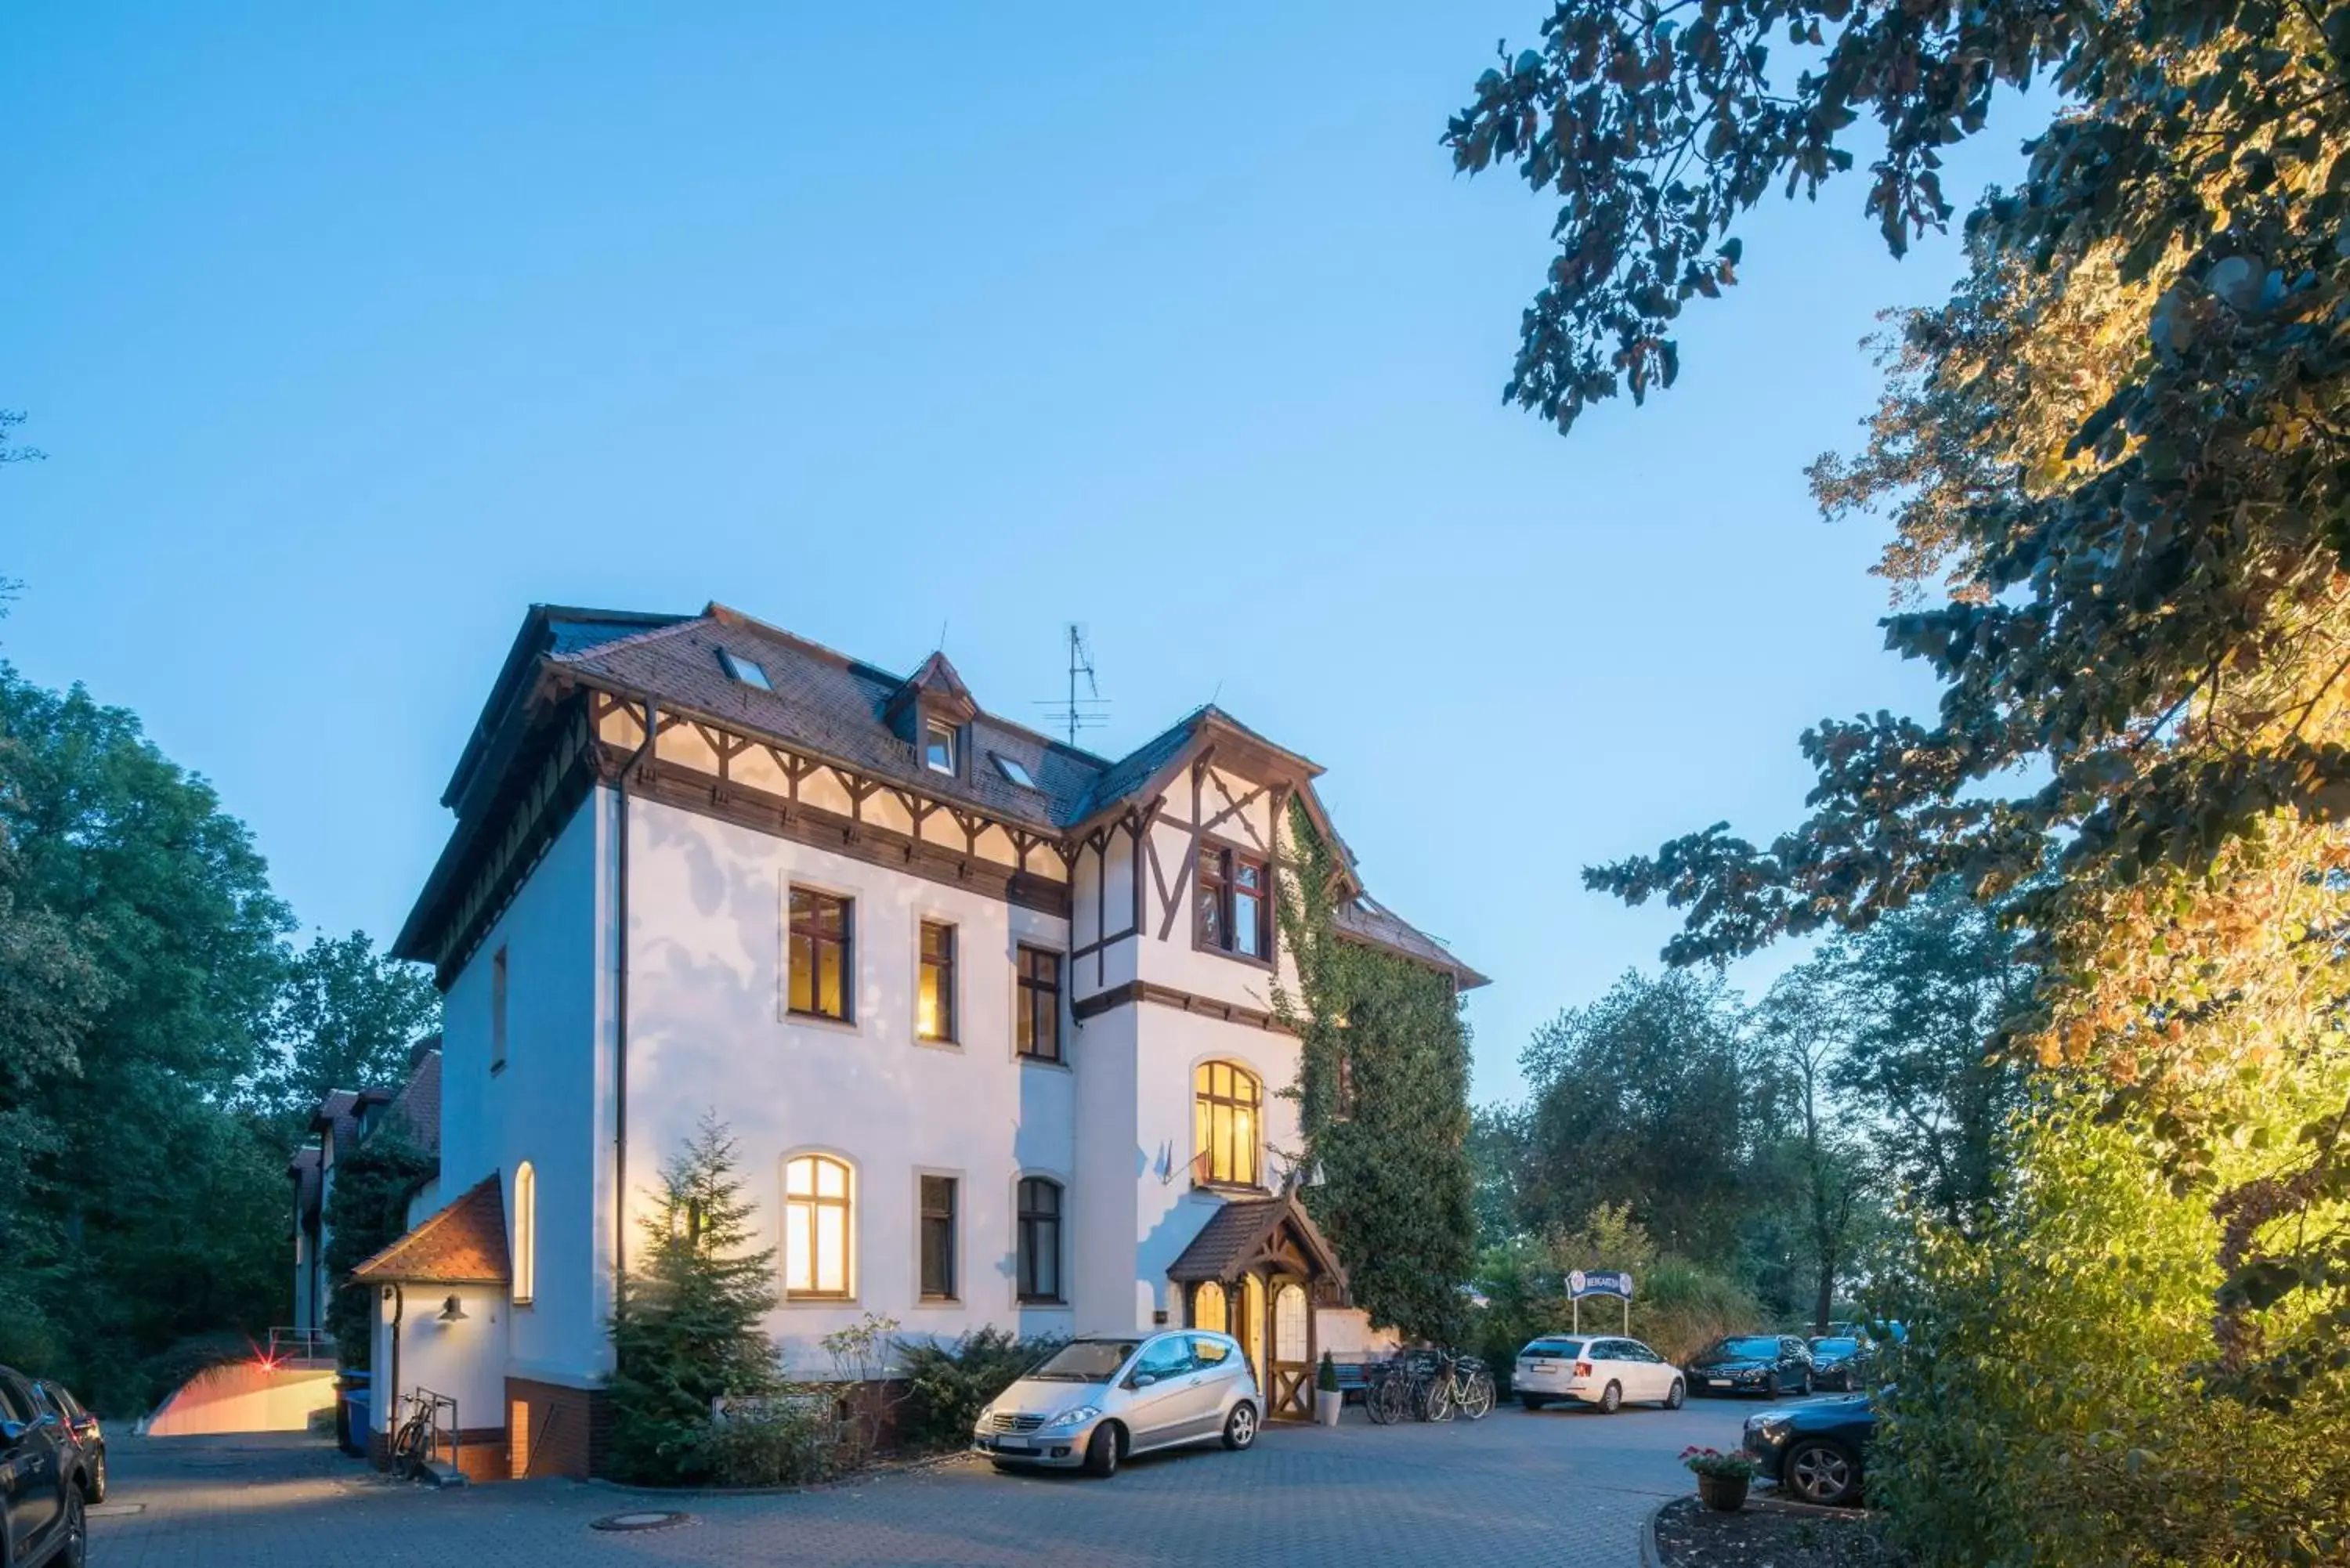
{"x":934,"y":1017}
{"x":1040,"y":1239}
{"x":1226,"y":1102}
{"x":1233,"y":916}
{"x":938,"y":1238}
{"x":749,"y":672}
{"x":1014,"y":770}
{"x":820,"y":953}
{"x":1038,"y":1026}
{"x":817,"y":1200}
{"x":525,"y":1234}
{"x":939,"y":747}
{"x":1208,"y":1307}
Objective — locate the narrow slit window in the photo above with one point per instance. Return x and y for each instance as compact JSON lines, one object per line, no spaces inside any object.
{"x":1038,"y":1026}
{"x":938,"y":1238}
{"x":498,"y":1011}
{"x":934,"y":1009}
{"x":525,"y":1234}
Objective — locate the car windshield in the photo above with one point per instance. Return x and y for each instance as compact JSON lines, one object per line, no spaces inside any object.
{"x":1554,"y":1348}
{"x":1752,"y":1345}
{"x":1085,"y":1361}
{"x":1835,"y":1346}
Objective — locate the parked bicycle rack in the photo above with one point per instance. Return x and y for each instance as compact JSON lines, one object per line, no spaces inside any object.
{"x":418,"y":1453}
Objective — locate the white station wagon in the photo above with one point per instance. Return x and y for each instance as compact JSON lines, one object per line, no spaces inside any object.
{"x":1594,"y":1369}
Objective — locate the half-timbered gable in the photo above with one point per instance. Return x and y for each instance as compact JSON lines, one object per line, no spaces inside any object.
{"x":997,"y":1022}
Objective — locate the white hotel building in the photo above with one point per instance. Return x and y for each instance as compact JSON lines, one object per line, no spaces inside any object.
{"x":991,"y":1018}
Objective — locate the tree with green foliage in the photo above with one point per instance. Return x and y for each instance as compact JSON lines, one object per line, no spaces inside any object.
{"x":367,"y":1211}
{"x":140,"y":919}
{"x":686,"y":1331}
{"x":2123,"y":447}
{"x":1383,"y":1096}
{"x":1654,"y":1096}
{"x":343,"y":1018}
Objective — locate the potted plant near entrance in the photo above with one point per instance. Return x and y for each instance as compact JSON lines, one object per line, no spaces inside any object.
{"x":1721,"y":1479}
{"x":1327,"y":1397}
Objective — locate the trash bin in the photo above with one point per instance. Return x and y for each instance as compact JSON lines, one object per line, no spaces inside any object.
{"x":351,"y":1412}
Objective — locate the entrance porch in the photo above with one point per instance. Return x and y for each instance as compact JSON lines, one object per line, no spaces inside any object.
{"x":1257,"y":1271}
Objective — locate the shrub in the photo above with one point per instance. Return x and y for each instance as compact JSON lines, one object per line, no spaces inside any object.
{"x":950,"y":1382}
{"x":792,"y":1439}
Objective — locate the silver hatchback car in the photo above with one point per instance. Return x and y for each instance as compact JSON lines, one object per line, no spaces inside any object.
{"x":1098,"y":1400}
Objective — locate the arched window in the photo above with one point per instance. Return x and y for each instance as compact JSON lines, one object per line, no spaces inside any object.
{"x":817,"y":1193}
{"x":525,"y":1234}
{"x":1227,"y":1101}
{"x":1040,"y":1239}
{"x":1208,"y":1308}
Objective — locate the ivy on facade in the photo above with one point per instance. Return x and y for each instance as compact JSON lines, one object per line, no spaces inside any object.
{"x":1383,"y":1096}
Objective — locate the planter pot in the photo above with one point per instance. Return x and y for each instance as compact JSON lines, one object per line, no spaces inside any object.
{"x":1727,"y":1494}
{"x":1328,"y":1403}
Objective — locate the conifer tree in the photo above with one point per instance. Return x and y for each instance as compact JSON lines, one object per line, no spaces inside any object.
{"x":686,"y":1331}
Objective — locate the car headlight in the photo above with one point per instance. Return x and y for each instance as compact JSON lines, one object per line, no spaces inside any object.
{"x":1076,"y":1415}
{"x":1770,"y":1428}
{"x":986,"y":1416}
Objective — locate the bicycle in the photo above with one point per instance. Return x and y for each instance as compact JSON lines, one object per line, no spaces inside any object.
{"x":1462,"y":1385}
{"x":416,"y":1441}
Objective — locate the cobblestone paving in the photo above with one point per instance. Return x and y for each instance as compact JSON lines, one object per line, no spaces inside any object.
{"x":1553,"y":1488}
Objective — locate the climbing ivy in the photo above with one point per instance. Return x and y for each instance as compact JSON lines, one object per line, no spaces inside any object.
{"x":367,"y":1211}
{"x":1383,"y":1098}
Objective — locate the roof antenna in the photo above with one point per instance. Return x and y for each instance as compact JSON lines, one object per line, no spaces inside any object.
{"x":1216,"y":694}
{"x":942,"y":634}
{"x":1079,"y":713}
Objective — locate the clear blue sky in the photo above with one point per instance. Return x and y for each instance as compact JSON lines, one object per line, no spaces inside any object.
{"x":352,"y":331}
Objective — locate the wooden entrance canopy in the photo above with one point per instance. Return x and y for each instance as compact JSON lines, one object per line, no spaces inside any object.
{"x":1257,"y":1267}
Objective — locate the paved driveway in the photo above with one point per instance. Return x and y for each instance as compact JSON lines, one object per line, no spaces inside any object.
{"x":1517,"y":1488}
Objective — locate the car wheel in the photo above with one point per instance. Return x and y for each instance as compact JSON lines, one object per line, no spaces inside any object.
{"x":1823,"y":1472}
{"x":75,"y":1553}
{"x":1533,"y":1401}
{"x":1770,"y":1386}
{"x":1611,"y":1398}
{"x":94,"y":1483}
{"x":1101,"y":1453}
{"x":1240,"y":1427}
{"x":1803,"y":1389}
{"x":1676,"y":1395}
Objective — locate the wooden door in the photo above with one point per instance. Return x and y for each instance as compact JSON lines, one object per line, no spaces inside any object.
{"x":1292,"y":1391}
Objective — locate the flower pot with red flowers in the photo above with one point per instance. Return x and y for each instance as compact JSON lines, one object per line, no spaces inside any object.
{"x":1721,"y":1479}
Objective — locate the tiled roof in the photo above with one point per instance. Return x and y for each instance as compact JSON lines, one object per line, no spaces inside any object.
{"x":463,"y":1244}
{"x":1238,"y":1232}
{"x":1366,"y":920}
{"x":304,"y":1170}
{"x":833,"y":704}
{"x":417,"y":1108}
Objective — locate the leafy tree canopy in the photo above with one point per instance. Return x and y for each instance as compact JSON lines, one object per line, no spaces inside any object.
{"x":344,"y":1017}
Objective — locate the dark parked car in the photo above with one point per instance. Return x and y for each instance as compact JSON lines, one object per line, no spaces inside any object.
{"x":1839,"y":1361}
{"x":40,"y":1481}
{"x":1773,"y":1364}
{"x":88,"y":1436}
{"x":1815,"y":1451}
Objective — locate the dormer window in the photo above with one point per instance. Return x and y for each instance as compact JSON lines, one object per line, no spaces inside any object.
{"x":1014,"y":770}
{"x":939,"y":746}
{"x":749,"y":672}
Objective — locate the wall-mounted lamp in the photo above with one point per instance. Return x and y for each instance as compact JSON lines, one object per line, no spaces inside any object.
{"x":453,"y":1310}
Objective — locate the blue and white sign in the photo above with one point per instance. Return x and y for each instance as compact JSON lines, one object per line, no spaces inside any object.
{"x":1581,"y":1284}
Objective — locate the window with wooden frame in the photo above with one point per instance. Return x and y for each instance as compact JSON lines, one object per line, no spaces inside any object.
{"x":934,"y":984}
{"x":498,"y":1011}
{"x":938,"y":1238}
{"x":1037,"y":1029}
{"x":1227,"y":1126}
{"x":939,"y":746}
{"x":525,"y":1234}
{"x":1235,"y":913}
{"x":1038,"y":1247}
{"x":818,"y":1204}
{"x":822,"y":978}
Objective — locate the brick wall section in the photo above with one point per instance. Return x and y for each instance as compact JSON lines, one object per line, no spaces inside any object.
{"x":569,"y":1430}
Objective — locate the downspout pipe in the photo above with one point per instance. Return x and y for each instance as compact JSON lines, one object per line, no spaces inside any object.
{"x":621,"y":1014}
{"x":390,"y":1396}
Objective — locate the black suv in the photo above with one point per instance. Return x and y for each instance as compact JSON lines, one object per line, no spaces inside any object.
{"x":1771,"y":1363}
{"x":88,"y":1436}
{"x":40,"y":1481}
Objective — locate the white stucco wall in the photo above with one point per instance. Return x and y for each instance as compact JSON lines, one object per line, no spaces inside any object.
{"x":463,"y":1360}
{"x":550,"y":1103}
{"x":708,"y":1032}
